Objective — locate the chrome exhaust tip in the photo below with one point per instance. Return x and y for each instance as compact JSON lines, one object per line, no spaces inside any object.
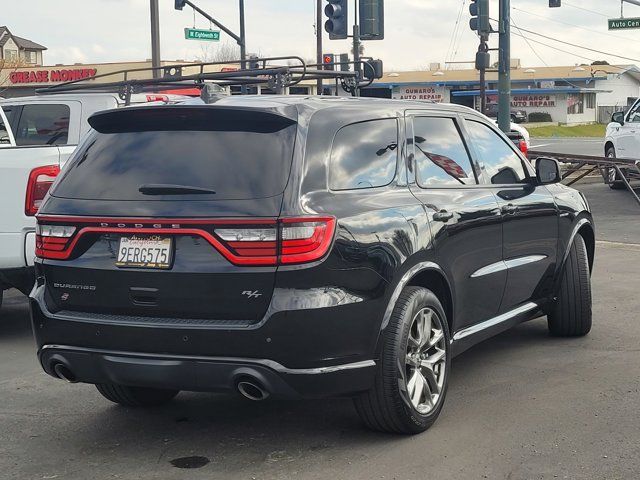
{"x":63,"y":372}
{"x":252,"y":390}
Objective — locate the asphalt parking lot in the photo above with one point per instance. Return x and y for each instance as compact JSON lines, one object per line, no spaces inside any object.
{"x":522,"y":405}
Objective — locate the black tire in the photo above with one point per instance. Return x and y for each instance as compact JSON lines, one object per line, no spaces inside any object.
{"x":135,"y":396}
{"x":514,"y":119}
{"x":616,"y":182}
{"x":571,"y":314}
{"x":386,"y":407}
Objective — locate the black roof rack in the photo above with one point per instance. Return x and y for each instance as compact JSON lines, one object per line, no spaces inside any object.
{"x":277,"y":73}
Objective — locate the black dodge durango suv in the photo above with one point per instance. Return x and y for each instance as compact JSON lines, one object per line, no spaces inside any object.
{"x":300,"y":247}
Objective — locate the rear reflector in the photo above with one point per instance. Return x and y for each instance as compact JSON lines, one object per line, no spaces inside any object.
{"x":39,"y":183}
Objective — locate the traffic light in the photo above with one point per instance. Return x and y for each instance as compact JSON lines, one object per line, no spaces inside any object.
{"x":374,"y":69}
{"x":555,"y":3}
{"x":180,"y":4}
{"x":344,"y":62}
{"x":479,"y":22}
{"x":337,"y":19}
{"x":328,"y":61}
{"x":372,"y":19}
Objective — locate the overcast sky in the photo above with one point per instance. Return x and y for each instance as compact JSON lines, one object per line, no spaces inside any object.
{"x":418,"y":32}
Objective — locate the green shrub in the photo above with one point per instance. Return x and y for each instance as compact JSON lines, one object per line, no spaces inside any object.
{"x":536,"y":117}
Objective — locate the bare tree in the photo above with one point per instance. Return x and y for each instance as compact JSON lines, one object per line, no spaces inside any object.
{"x":224,"y":52}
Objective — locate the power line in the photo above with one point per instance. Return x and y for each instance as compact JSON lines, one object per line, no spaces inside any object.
{"x":536,"y":53}
{"x":574,"y":25}
{"x":586,"y":10}
{"x":454,"y":32}
{"x":580,"y":46}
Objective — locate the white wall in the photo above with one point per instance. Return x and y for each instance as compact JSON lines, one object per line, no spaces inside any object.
{"x":621,"y":88}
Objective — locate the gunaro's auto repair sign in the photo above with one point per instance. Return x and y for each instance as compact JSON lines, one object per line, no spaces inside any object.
{"x":533,"y":101}
{"x":51,"y":76}
{"x":435,"y":94}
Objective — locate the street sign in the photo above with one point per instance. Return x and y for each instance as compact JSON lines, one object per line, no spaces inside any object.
{"x":624,"y":23}
{"x":197,"y":34}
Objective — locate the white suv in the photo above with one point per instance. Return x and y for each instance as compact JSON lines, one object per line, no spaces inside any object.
{"x":623,"y":141}
{"x":37,"y":136}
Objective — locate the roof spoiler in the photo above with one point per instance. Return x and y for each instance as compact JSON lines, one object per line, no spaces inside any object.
{"x":194,"y":118}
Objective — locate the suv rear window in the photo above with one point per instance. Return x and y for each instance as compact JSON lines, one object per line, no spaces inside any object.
{"x":236,"y":154}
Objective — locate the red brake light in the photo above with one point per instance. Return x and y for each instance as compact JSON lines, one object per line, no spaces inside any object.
{"x":243,"y":242}
{"x":40,"y":181}
{"x":157,"y":98}
{"x":293,"y":240}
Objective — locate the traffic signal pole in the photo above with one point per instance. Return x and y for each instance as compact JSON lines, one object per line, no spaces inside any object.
{"x":319,"y":86}
{"x":504,"y":70}
{"x":155,"y":38}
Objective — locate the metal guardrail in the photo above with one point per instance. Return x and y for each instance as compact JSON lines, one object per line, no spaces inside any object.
{"x":627,"y":169}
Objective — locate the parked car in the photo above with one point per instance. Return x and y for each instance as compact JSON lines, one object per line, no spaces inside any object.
{"x":517,"y":116}
{"x":37,"y":136}
{"x":300,"y":247}
{"x":623,"y":141}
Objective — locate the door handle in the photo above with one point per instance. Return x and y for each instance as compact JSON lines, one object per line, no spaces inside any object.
{"x":509,"y":209}
{"x":442,"y":216}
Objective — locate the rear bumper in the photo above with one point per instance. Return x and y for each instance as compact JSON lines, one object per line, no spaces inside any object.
{"x":294,"y":353}
{"x":207,"y":374}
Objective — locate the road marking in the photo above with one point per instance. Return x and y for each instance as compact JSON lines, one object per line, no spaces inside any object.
{"x":543,"y":145}
{"x":630,"y":246}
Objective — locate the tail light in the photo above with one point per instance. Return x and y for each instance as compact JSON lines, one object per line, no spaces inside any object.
{"x":40,"y":181}
{"x":244,"y":242}
{"x":523,"y":147}
{"x":52,"y":240}
{"x":291,"y":241}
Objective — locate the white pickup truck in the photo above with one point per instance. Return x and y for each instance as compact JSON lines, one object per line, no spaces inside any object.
{"x":623,"y":141}
{"x":37,"y":136}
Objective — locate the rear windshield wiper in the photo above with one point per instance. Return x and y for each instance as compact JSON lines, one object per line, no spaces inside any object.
{"x":168,"y":189}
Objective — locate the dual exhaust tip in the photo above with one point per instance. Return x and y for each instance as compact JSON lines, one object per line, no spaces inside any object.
{"x":248,"y":387}
{"x":252,"y":389}
{"x":63,"y":372}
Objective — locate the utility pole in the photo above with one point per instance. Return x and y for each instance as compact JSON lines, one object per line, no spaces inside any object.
{"x":155,"y":37}
{"x":504,"y":70}
{"x":356,"y":46}
{"x":243,"y":45}
{"x":319,"y":86}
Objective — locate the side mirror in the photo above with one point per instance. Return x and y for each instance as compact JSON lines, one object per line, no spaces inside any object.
{"x":548,"y":171}
{"x":618,"y":117}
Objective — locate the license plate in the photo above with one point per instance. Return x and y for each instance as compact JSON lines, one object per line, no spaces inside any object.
{"x":144,"y":252}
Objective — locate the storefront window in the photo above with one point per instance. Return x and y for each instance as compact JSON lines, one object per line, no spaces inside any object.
{"x":575,"y":103}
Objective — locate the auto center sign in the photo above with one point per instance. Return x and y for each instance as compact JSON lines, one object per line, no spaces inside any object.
{"x":51,"y":76}
{"x":533,"y":101}
{"x":435,"y":94}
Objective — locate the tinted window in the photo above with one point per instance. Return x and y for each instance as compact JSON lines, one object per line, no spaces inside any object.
{"x":498,"y":161}
{"x":634,"y":114}
{"x":238,"y":155}
{"x":43,"y":125}
{"x":4,"y":133}
{"x":364,"y":155}
{"x":440,"y":155}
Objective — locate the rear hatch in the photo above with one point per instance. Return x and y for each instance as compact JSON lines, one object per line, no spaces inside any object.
{"x":169,"y":212}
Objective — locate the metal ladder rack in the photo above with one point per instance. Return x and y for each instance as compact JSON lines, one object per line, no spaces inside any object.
{"x":278,"y":73}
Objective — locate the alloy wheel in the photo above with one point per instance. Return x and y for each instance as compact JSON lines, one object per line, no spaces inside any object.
{"x":425,"y":360}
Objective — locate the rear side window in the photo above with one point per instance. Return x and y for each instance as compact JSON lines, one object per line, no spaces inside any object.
{"x":440,"y":154}
{"x":5,"y":139}
{"x":497,"y":159}
{"x":364,"y":155}
{"x":43,"y":125}
{"x":236,"y":155}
